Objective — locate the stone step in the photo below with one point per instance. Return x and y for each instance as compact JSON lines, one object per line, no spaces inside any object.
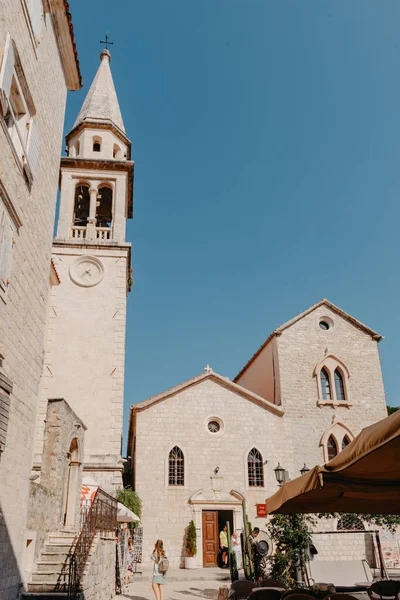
{"x":49,"y":566}
{"x":49,"y":576}
{"x":44,"y":595}
{"x":58,"y":548}
{"x":45,"y":587}
{"x":54,"y":556}
{"x":59,"y":538}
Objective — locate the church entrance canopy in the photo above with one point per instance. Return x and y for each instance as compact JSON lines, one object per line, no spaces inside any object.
{"x":363,"y":478}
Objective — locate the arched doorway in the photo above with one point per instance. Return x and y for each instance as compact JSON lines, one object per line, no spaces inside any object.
{"x":72,"y":492}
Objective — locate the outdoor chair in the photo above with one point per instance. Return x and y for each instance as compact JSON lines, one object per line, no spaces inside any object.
{"x":299,"y":594}
{"x":265,"y":594}
{"x":241,"y":589}
{"x":384,"y":590}
{"x":339,"y":597}
{"x":273,"y":583}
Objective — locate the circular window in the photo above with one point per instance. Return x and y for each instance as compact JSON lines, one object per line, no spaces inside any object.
{"x":325,"y":323}
{"x":214,"y":426}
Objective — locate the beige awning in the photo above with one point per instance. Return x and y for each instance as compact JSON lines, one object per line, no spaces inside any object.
{"x":363,"y":478}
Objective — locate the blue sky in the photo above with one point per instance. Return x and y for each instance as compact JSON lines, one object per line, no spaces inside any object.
{"x":266,"y":140}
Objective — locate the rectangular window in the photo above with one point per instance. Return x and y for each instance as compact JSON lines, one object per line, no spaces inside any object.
{"x":16,"y":118}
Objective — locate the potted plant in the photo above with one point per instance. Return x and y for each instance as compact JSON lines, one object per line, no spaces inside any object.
{"x":191,"y":548}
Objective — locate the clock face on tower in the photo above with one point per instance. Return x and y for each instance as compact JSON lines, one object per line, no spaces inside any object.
{"x":86,"y":271}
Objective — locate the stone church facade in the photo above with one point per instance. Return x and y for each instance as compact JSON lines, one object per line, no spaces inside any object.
{"x":200,"y":448}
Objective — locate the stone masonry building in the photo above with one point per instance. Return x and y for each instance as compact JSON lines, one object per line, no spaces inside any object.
{"x":201,"y":447}
{"x":84,"y":350}
{"x":38,"y":65}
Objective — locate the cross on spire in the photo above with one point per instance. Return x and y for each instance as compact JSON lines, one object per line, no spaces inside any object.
{"x":106,"y":42}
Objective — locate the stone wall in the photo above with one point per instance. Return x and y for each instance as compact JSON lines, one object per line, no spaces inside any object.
{"x":345,"y":546}
{"x":23,"y":305}
{"x":48,"y":495}
{"x":84,"y":357}
{"x":301,"y":347}
{"x":99,"y":580}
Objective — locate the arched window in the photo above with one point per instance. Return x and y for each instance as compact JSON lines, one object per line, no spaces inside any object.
{"x":345,"y":441}
{"x":350,"y":522}
{"x":96,"y":144}
{"x":332,"y":447}
{"x":325,"y":385}
{"x":81,"y":206}
{"x":117,"y":152}
{"x":104,"y":207}
{"x":339,"y":386}
{"x":176,"y":467}
{"x":255,"y":468}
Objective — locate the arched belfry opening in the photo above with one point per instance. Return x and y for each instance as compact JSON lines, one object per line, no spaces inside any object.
{"x":81,"y":205}
{"x":104,"y":207}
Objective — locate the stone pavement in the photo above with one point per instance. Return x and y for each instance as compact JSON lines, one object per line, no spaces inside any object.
{"x":182,"y":584}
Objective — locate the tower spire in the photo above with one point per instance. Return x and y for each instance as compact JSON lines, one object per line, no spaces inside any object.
{"x":101,"y":103}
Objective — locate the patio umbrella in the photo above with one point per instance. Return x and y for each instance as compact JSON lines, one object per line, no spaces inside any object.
{"x":125,"y":515}
{"x":363,"y":478}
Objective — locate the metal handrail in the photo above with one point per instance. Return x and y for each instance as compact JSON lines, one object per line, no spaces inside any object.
{"x":102,"y":516}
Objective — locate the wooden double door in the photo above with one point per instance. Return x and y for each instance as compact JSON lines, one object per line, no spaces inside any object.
{"x":213,"y":523}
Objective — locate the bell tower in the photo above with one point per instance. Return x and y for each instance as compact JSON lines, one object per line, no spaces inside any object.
{"x":85,"y":344}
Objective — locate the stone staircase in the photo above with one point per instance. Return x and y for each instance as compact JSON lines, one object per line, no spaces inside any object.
{"x":50,"y":580}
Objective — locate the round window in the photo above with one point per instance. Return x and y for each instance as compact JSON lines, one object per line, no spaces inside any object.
{"x":213,"y":426}
{"x":325,"y":323}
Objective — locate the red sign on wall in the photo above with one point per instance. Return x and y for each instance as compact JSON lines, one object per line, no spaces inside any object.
{"x":261,"y":510}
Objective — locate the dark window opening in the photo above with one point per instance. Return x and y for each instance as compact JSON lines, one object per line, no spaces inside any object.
{"x":339,"y":386}
{"x":104,"y":207}
{"x":96,"y":147}
{"x":255,"y":468}
{"x":345,"y":442}
{"x":176,"y":467}
{"x":82,"y":205}
{"x":325,"y":385}
{"x":332,"y":448}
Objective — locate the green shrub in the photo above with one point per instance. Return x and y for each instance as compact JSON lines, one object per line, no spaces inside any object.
{"x":191,"y":547}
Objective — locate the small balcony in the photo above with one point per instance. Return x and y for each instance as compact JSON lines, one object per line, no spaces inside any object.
{"x":103,"y":233}
{"x":80,"y":232}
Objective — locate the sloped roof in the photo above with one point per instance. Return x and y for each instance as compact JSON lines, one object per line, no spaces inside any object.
{"x":211,"y":375}
{"x":323,"y":302}
{"x":101,"y":103}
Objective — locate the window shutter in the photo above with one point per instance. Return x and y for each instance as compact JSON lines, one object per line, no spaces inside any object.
{"x":32,"y":151}
{"x":6,"y":243}
{"x":35,"y":15}
{"x":6,"y":74}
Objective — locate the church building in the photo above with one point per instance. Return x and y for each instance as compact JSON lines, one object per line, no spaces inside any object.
{"x":198,"y":449}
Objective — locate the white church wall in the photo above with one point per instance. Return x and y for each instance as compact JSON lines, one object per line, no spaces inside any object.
{"x":23,"y":305}
{"x":181,"y":420}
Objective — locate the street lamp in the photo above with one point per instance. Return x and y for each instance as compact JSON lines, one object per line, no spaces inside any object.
{"x":279,"y":474}
{"x":304,"y":470}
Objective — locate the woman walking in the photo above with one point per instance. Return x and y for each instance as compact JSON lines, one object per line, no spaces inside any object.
{"x":160,"y":570}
